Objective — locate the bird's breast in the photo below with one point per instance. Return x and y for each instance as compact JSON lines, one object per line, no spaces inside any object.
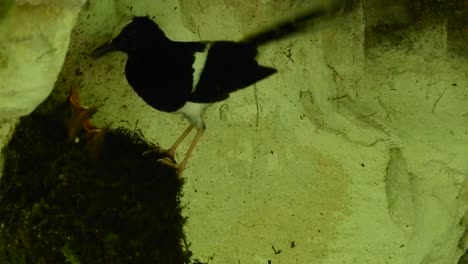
{"x":163,"y":84}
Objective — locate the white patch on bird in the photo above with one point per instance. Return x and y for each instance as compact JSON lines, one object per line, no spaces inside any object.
{"x":194,"y":113}
{"x":199,"y":64}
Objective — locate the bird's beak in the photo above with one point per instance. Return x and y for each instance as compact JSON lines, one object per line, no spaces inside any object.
{"x":103,"y":50}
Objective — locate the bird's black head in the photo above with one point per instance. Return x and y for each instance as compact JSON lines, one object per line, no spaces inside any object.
{"x":137,"y":36}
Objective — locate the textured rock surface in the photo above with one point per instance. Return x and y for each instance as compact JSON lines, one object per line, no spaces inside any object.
{"x":355,"y":152}
{"x":34,"y":37}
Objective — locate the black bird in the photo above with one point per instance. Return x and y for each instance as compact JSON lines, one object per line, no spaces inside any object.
{"x":164,"y":73}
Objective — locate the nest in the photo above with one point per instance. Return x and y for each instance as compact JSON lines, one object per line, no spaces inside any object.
{"x":89,"y":201}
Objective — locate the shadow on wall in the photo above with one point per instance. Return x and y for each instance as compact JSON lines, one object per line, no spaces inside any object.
{"x":388,"y":25}
{"x":5,"y":7}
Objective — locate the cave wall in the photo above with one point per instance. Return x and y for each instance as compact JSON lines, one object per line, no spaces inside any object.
{"x":355,"y":152}
{"x":34,"y":39}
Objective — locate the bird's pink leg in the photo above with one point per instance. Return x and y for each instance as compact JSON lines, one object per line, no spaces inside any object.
{"x":196,"y":139}
{"x":171,"y":151}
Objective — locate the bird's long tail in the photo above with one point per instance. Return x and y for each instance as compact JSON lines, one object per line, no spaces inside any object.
{"x":300,"y":23}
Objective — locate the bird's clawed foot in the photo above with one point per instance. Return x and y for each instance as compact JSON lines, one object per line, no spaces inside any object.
{"x":170,"y":153}
{"x":169,"y":158}
{"x":157,"y":149}
{"x":171,"y":163}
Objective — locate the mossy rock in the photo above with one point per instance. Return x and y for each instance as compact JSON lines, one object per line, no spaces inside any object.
{"x":60,"y":205}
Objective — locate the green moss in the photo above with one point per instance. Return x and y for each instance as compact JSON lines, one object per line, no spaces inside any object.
{"x":58,"y":205}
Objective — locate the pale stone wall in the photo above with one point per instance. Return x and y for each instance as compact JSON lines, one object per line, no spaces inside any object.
{"x":356,"y":150}
{"x":34,"y":38}
{"x":399,"y":110}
